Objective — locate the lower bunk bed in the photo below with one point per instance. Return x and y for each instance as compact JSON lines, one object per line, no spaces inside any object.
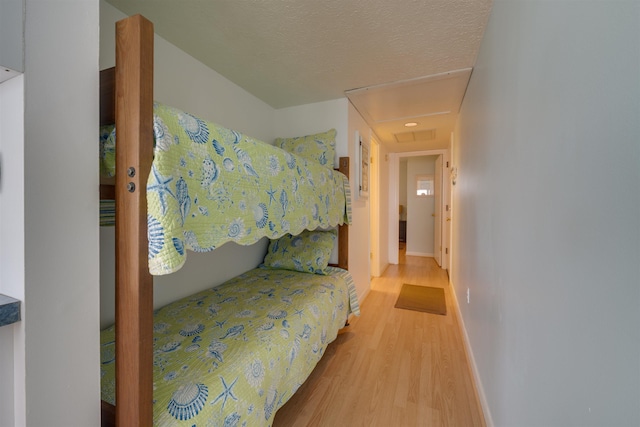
{"x":233,"y":354}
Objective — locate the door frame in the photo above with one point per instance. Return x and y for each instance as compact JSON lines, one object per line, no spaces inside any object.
{"x":374,"y":207}
{"x":438,"y":231}
{"x":394,"y":196}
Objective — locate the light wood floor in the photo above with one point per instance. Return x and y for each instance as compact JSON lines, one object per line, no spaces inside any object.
{"x":391,"y":367}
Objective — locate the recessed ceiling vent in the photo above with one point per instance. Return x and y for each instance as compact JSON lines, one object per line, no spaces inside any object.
{"x":415,"y":136}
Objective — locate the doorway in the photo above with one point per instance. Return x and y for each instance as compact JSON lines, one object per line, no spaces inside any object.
{"x":439,"y":243}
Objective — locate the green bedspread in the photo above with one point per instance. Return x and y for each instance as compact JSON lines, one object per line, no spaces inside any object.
{"x":210,"y":185}
{"x":232,"y":355}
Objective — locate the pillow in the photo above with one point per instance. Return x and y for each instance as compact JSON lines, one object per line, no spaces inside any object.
{"x":320,"y":147}
{"x":307,"y":252}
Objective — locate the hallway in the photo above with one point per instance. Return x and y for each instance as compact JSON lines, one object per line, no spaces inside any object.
{"x":391,"y":367}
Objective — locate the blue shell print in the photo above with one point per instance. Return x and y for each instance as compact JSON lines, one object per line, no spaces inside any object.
{"x":232,"y":420}
{"x":190,"y":330}
{"x":195,"y":128}
{"x":187,"y":401}
{"x":155,"y":234}
{"x":261,"y":215}
{"x":169,"y":347}
{"x":216,"y":350}
{"x":277,"y":314}
{"x":266,"y":327}
{"x":245,"y":162}
{"x":306,"y":332}
{"x":254,"y":373}
{"x":177,"y":243}
{"x":228,"y":164}
{"x":229,"y":136}
{"x":273,"y":165}
{"x":323,"y":158}
{"x":218,"y":147}
{"x":210,"y":172}
{"x":291,"y":161}
{"x":270,"y":403}
{"x":236,"y":228}
{"x":234,"y":331}
{"x":237,"y":136}
{"x":284,"y":202}
{"x":163,"y":138}
{"x":192,"y":348}
{"x":182,"y":196}
{"x":191,"y":242}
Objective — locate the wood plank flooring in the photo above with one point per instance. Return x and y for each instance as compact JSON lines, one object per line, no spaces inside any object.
{"x":391,"y":367}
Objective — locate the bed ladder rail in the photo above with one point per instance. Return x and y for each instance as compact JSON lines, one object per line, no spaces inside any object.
{"x":134,"y":284}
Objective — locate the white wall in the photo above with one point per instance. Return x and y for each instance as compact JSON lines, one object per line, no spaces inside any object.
{"x":359,"y":230}
{"x":546,"y":213}
{"x":420,"y":220}
{"x":12,"y":346}
{"x":61,"y":249}
{"x":206,"y":94}
{"x":7,"y":398}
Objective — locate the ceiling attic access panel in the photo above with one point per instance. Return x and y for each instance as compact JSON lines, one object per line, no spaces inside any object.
{"x":431,"y":102}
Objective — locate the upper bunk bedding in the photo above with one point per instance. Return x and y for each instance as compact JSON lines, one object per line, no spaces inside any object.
{"x":234,"y":354}
{"x":210,"y":185}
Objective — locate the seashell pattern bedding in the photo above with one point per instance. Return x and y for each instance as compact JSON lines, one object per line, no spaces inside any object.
{"x":210,"y":185}
{"x":234,"y":354}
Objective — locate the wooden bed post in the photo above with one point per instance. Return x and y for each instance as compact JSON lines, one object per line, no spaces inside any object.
{"x":134,"y":284}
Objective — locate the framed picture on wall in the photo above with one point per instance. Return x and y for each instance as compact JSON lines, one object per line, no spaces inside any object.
{"x":362,"y":167}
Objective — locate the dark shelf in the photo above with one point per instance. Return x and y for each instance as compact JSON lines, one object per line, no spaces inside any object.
{"x":9,"y":310}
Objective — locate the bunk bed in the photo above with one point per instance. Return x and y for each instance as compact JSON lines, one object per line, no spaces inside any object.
{"x":260,"y":298}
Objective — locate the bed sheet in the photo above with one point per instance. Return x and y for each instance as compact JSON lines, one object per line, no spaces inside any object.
{"x":234,"y":354}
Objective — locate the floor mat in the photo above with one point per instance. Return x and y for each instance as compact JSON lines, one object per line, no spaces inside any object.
{"x":422,"y":298}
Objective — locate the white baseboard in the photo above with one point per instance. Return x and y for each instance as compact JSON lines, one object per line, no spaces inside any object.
{"x":472,"y":362}
{"x":364,"y":295}
{"x":420,"y":254}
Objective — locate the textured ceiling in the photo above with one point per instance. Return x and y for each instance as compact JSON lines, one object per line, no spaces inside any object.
{"x":297,"y":52}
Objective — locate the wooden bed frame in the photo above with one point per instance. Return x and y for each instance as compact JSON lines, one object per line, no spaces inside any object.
{"x":126,"y":98}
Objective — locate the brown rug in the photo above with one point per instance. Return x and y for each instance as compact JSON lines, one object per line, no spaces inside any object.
{"x":422,"y":298}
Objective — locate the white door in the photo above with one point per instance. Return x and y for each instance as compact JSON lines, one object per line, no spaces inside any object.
{"x":437,"y":220}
